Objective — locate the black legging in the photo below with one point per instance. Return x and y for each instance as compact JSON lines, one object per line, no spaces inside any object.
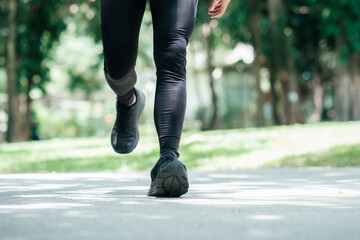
{"x":173,"y":24}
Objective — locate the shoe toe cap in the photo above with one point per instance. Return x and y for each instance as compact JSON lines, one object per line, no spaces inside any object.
{"x":122,"y":145}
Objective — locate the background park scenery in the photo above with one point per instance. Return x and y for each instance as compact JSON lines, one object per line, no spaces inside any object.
{"x":271,"y":83}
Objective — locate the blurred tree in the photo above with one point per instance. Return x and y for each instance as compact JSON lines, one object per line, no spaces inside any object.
{"x":282,"y":65}
{"x":304,"y":21}
{"x":205,"y":30}
{"x":11,"y":69}
{"x":40,"y":23}
{"x":253,"y":22}
{"x":83,"y":33}
{"x":295,"y":40}
{"x":313,"y":56}
{"x":210,"y":48}
{"x":33,"y":27}
{"x":340,"y":23}
{"x":248,"y":23}
{"x":228,"y":30}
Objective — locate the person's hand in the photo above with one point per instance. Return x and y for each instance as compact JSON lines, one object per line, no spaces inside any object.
{"x":218,"y":7}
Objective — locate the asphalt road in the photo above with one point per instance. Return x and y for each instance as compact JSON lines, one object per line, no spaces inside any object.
{"x":311,"y":203}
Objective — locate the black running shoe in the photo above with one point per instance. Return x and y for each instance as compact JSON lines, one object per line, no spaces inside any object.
{"x":168,"y":178}
{"x":125,"y":133}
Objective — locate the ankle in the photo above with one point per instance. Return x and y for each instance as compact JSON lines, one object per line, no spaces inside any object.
{"x":170,"y":153}
{"x":128,"y":99}
{"x":134,"y":100}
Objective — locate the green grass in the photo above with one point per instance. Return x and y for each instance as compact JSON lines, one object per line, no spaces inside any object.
{"x":340,"y":156}
{"x":326,"y":144}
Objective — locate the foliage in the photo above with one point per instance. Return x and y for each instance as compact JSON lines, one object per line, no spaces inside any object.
{"x":39,"y":26}
{"x":341,"y":18}
{"x":65,"y":36}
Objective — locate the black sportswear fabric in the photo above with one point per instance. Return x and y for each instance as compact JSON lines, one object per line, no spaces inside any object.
{"x":173,"y":24}
{"x":128,"y":98}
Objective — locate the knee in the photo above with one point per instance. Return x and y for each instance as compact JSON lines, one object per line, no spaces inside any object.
{"x":118,"y":61}
{"x":170,"y":51}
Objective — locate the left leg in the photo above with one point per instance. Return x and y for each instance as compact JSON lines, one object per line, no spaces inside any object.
{"x":120,"y":26}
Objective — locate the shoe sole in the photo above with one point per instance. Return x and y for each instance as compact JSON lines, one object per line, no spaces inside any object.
{"x":137,"y":137}
{"x":171,"y":181}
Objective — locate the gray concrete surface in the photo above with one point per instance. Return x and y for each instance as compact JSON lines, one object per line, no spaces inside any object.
{"x":246,"y":204}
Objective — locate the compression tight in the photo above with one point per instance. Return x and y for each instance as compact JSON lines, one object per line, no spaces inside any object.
{"x":173,"y":23}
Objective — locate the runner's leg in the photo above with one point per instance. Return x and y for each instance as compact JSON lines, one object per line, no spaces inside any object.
{"x":120,"y":26}
{"x":173,"y":23}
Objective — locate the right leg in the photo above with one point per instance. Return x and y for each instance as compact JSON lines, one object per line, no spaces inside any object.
{"x":174,"y":23}
{"x":120,"y":26}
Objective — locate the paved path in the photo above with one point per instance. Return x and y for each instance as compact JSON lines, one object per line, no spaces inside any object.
{"x":246,"y":204}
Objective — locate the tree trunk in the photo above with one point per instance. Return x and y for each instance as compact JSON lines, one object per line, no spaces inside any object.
{"x":348,"y":84}
{"x":254,"y":21}
{"x":11,"y":71}
{"x":210,"y":69}
{"x":348,"y":89}
{"x":318,"y":78}
{"x":28,"y":120}
{"x":318,"y":95}
{"x":296,"y":115}
{"x":283,"y":62}
{"x":355,"y":74}
{"x":282,"y":76}
{"x":274,"y":56}
{"x":343,"y":101}
{"x":274,"y":97}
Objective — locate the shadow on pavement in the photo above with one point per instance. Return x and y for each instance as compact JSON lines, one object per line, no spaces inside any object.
{"x":285,"y":203}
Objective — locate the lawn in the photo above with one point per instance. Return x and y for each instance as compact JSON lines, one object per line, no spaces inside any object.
{"x":325,"y":144}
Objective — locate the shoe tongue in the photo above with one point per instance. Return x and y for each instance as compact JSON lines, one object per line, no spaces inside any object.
{"x":162,"y":160}
{"x":169,"y":154}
